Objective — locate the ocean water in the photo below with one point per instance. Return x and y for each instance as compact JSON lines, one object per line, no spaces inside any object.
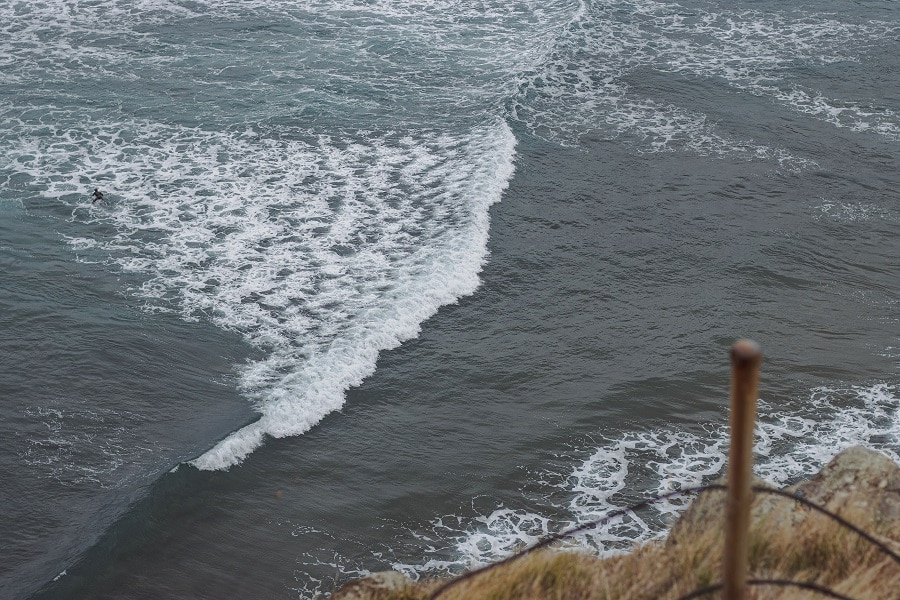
{"x":406,"y":285}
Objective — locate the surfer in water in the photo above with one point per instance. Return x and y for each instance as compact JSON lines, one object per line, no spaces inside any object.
{"x":98,"y":195}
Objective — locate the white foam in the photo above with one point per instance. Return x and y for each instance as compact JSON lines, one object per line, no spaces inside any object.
{"x":321,"y":247}
{"x":793,"y":441}
{"x":570,"y":62}
{"x":357,"y":320}
{"x":388,"y":49}
{"x":850,"y":212}
{"x":583,"y":85}
{"x":320,"y":252}
{"x":756,"y":52}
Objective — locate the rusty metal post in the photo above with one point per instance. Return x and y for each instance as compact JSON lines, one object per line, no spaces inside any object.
{"x":745,"y":360}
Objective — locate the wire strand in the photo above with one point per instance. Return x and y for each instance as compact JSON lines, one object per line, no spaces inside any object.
{"x":682,"y":492}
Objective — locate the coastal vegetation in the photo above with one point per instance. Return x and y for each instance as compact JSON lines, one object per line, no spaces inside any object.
{"x":789,"y":542}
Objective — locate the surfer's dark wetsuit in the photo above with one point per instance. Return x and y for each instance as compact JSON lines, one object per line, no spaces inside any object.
{"x":98,"y":195}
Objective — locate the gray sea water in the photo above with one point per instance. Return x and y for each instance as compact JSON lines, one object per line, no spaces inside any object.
{"x":406,"y":285}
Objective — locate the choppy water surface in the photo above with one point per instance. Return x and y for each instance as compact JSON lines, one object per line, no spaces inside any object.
{"x":406,"y":285}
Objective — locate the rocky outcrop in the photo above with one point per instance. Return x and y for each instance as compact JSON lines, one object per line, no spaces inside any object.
{"x":857,"y":480}
{"x":788,"y":541}
{"x":384,"y":585}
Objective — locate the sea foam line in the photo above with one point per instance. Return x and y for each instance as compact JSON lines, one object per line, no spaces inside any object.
{"x":320,"y":250}
{"x":792,"y":442}
{"x":584,"y":83}
{"x":441,"y":275}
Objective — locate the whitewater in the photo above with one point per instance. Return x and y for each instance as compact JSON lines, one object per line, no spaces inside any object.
{"x":450,"y":276}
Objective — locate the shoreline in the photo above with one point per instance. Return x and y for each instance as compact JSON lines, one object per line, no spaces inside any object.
{"x":789,"y":543}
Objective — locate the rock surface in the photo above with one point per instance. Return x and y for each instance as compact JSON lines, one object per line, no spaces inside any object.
{"x":856,"y":480}
{"x":384,"y":584}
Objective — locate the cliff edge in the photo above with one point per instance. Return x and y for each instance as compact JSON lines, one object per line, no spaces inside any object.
{"x":789,"y":541}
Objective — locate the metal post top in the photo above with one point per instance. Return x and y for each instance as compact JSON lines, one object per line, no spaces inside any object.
{"x":744,"y":351}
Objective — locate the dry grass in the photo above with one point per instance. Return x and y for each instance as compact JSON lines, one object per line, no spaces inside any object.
{"x":793,"y":543}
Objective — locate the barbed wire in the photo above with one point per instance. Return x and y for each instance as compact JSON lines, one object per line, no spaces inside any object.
{"x":682,"y":492}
